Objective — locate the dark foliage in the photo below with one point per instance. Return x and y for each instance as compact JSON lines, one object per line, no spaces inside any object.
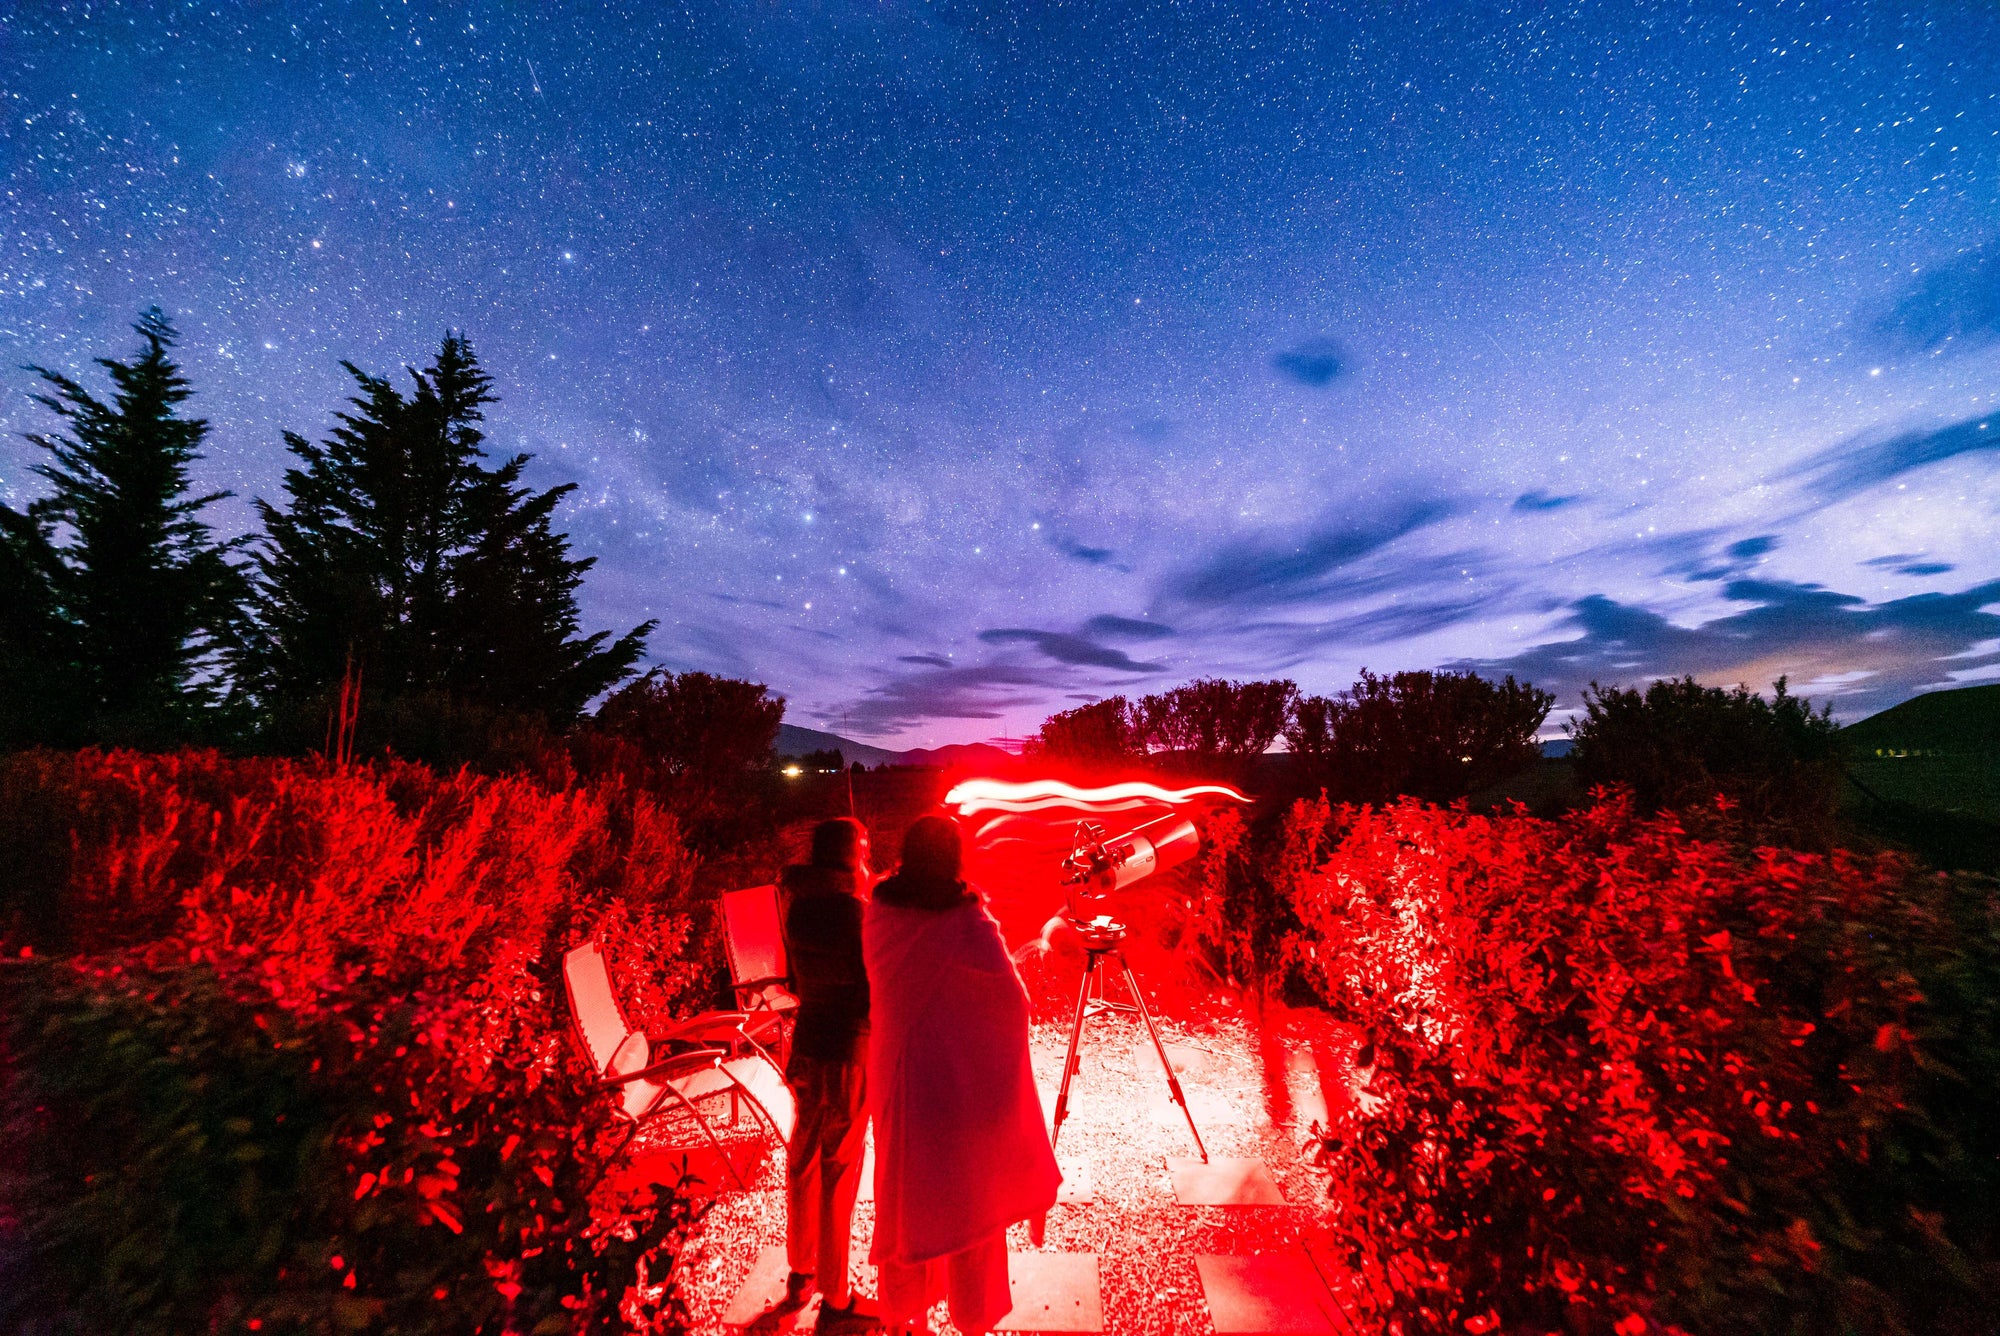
{"x":119,"y":603}
{"x":1211,"y":720}
{"x":1098,"y":735}
{"x":1681,"y":745}
{"x":702,"y":744}
{"x":1435,"y":736}
{"x":217,"y":1188}
{"x":440,"y":581}
{"x":1210,"y":727}
{"x":40,"y":700}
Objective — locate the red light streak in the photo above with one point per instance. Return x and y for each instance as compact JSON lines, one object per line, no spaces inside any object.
{"x":1041,"y":795}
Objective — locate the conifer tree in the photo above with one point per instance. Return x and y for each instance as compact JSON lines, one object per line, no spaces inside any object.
{"x":441,"y":580}
{"x":122,"y":607}
{"x":38,"y":674}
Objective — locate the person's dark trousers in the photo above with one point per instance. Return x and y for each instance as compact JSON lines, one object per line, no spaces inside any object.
{"x":823,"y":1165}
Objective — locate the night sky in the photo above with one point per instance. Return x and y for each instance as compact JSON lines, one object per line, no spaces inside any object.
{"x":946,"y":365}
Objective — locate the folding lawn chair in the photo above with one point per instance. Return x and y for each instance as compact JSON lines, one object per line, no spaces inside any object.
{"x":647,"y":1081}
{"x":754,"y":941}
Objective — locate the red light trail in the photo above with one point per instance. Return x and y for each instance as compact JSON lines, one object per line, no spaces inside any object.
{"x":1040,"y":795}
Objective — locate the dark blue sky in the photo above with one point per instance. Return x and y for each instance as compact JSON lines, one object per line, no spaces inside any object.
{"x":944,"y":365}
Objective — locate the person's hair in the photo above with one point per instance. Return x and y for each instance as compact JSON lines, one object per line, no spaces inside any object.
{"x":931,"y":849}
{"x":837,"y":843}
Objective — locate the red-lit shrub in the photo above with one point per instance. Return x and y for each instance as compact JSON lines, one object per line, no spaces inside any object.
{"x":1238,"y":917}
{"x":1616,"y":1074}
{"x":314,"y":1022}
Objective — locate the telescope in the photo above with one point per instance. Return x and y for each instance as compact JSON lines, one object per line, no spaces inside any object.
{"x":1095,"y":868}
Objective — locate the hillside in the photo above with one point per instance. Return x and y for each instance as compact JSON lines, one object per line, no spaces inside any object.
{"x":1964,"y":722}
{"x":1927,"y":775}
{"x":796,"y":741}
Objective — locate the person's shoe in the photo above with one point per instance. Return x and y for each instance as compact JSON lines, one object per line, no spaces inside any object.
{"x":859,"y":1315}
{"x":798,"y":1289}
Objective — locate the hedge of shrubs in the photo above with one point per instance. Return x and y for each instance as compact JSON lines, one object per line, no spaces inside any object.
{"x":1614,"y":1075}
{"x":285,"y":1047}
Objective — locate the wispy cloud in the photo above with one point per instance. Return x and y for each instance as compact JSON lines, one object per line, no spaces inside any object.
{"x":904,"y":701}
{"x":1274,"y":570}
{"x":1316,"y":362}
{"x":1955,"y":306}
{"x":1734,"y":561}
{"x":741,"y":601}
{"x":1280,"y":646}
{"x":1906,"y":563}
{"x":1855,"y":465}
{"x":1541,"y":500}
{"x":1088,"y":553}
{"x":1073,"y":649}
{"x":1105,"y":625}
{"x":1868,"y":655}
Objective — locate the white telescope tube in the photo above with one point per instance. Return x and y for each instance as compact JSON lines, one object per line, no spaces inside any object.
{"x":1166,"y":842}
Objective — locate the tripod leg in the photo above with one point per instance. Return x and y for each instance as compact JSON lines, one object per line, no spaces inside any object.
{"x":1173,"y":1082}
{"x":1069,"y":1059}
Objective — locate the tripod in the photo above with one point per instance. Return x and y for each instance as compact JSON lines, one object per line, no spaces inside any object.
{"x":1102,"y":938}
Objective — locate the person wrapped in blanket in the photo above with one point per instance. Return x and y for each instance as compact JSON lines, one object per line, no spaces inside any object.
{"x":820,"y":907}
{"x":961,"y":1149}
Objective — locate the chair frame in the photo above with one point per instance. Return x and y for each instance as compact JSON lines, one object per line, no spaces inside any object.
{"x":675,"y":1070}
{"x":753,"y":995}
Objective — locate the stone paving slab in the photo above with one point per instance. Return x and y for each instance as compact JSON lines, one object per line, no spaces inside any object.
{"x":758,"y":1303}
{"x":1309,"y":1103}
{"x":1271,"y":1294}
{"x":1190,"y":1062}
{"x":1053,"y":1292}
{"x":1077,"y":1189}
{"x":1223,"y":1181}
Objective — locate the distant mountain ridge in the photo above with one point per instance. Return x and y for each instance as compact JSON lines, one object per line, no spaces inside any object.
{"x":794,"y":740}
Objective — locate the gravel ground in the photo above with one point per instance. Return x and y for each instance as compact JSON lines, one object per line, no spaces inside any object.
{"x":1252,"y":1095}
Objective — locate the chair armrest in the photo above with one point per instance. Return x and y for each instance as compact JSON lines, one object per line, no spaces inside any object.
{"x":762,"y":1001}
{"x":709,"y":1024}
{"x":679,"y":1062}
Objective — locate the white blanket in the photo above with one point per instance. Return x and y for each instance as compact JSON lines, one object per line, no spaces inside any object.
{"x":960,"y":1146}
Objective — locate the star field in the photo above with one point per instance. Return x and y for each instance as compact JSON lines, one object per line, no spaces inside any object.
{"x":941,"y":365}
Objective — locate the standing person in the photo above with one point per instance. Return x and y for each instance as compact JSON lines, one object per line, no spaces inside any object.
{"x":961,"y":1151}
{"x":828,"y":1067}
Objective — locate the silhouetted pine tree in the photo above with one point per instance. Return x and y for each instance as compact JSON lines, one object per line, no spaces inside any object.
{"x":120,"y":605}
{"x":441,"y":580}
{"x":38,"y":673}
